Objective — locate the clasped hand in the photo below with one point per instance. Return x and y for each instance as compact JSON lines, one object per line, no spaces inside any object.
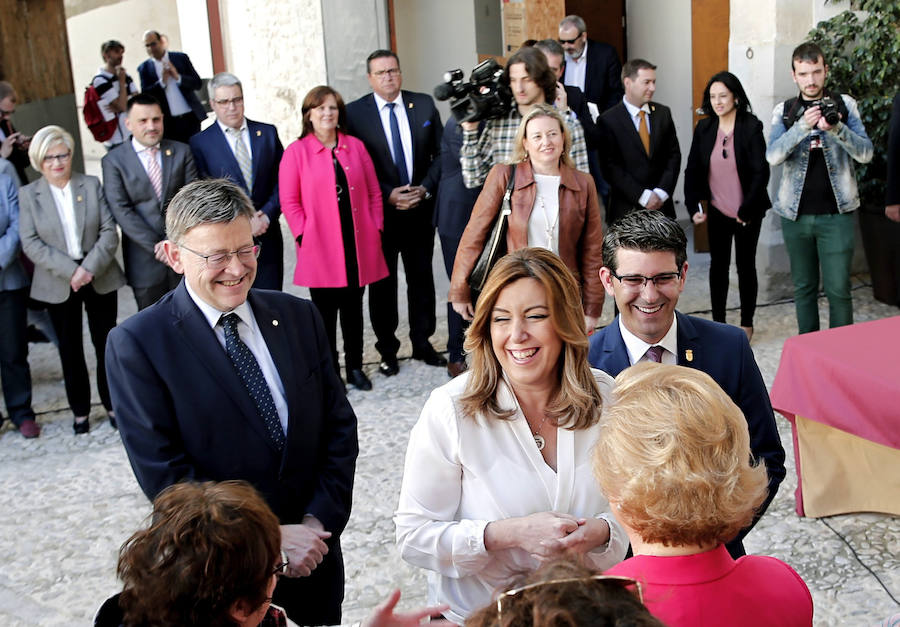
{"x":547,"y":535}
{"x":305,"y":546}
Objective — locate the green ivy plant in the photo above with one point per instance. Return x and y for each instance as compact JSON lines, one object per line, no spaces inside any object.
{"x":862,"y":47}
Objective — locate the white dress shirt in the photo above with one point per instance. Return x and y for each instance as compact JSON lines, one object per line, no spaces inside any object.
{"x":143,"y":153}
{"x":462,"y":473}
{"x":637,"y":348}
{"x":231,"y":141}
{"x":177,"y":103}
{"x":248,"y":330}
{"x":636,"y":120}
{"x":62,"y":198}
{"x":576,"y":69}
{"x":405,"y":134}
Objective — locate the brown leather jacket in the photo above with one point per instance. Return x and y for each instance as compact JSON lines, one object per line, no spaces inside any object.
{"x":580,"y":229}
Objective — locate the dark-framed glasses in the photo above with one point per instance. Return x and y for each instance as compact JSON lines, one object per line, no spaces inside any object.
{"x":227,"y":102}
{"x":510,"y":597}
{"x":60,"y":158}
{"x":217,"y":261}
{"x":638,"y":281}
{"x":393,"y":71}
{"x":570,"y":41}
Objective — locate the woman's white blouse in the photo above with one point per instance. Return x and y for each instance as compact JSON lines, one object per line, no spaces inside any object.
{"x":462,"y":473}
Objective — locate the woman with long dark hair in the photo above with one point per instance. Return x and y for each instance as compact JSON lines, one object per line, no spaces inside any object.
{"x":727,"y":167}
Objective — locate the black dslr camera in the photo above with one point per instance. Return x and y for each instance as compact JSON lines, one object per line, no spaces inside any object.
{"x":829,"y":109}
{"x":484,"y":97}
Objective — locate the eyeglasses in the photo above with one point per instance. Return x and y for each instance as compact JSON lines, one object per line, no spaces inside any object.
{"x":637,"y":282}
{"x":725,"y":147}
{"x":217,"y":261}
{"x":394,"y":71}
{"x":280,"y":568}
{"x":570,"y":41}
{"x":230,"y":101}
{"x":6,"y":112}
{"x":62,"y":158}
{"x":622,"y":582}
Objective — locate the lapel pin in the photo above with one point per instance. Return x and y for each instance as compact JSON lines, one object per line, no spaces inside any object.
{"x":274,"y":323}
{"x":168,"y":152}
{"x":689,"y":355}
{"x":409,"y":106}
{"x":78,"y":198}
{"x":258,"y":133}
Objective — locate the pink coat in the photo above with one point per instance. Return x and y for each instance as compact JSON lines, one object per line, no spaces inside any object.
{"x":306,"y":185}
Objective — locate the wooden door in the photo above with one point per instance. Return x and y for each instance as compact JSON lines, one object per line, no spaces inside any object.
{"x":709,"y":43}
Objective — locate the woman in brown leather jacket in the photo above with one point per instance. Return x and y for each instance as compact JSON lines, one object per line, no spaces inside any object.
{"x":554,"y":206}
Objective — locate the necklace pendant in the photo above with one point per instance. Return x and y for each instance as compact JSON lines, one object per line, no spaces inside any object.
{"x":539,"y":441}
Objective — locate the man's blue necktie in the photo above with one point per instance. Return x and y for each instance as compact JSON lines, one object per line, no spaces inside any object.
{"x":399,"y":157}
{"x":250,"y":373}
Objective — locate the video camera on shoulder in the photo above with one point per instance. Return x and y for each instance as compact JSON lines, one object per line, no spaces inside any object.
{"x":484,"y":97}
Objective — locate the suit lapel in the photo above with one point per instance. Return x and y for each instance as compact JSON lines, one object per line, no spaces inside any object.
{"x":614,"y":348}
{"x":690,"y":353}
{"x":378,"y":131}
{"x":78,"y":203}
{"x":202,"y":341}
{"x":627,"y":123}
{"x":256,"y":148}
{"x":48,"y":208}
{"x":654,"y":130}
{"x":165,"y":153}
{"x":412,"y":118}
{"x":133,"y":164}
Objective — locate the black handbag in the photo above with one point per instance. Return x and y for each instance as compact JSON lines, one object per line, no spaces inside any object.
{"x":495,"y":244}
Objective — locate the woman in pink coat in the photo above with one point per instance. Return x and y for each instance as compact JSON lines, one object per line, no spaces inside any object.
{"x":332,"y":202}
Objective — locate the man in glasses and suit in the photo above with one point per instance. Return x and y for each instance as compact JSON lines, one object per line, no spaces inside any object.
{"x":592,"y":66}
{"x":247,"y":153}
{"x":140,"y":177}
{"x":219,"y":381}
{"x":644,"y":269}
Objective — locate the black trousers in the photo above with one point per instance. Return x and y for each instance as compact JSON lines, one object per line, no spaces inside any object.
{"x":315,"y":600}
{"x":722,"y":230}
{"x":412,"y":238}
{"x":346,"y":301}
{"x":270,"y":265}
{"x":14,"y":372}
{"x":181,"y":128}
{"x":456,"y":326}
{"x":146,"y":296}
{"x":66,"y":317}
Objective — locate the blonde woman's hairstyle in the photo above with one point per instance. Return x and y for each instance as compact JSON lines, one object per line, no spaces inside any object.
{"x":577,"y":403}
{"x":674,"y":456}
{"x":44,"y":139}
{"x":542,"y":110}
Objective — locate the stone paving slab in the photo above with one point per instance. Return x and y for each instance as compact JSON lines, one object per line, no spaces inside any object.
{"x":67,"y":503}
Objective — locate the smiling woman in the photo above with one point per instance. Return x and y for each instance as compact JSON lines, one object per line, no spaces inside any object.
{"x":497,"y":477}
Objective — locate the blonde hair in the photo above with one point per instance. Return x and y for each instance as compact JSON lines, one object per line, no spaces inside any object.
{"x":542,"y":110}
{"x":577,"y":403}
{"x":44,"y":139}
{"x":674,"y":455}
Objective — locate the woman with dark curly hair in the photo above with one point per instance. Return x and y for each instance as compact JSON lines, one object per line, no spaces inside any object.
{"x":674,"y":461}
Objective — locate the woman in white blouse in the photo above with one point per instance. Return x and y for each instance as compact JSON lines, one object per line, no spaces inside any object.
{"x":554,"y":206}
{"x":69,"y":235}
{"x":498,"y":471}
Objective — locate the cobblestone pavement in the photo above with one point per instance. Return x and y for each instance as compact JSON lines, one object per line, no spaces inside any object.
{"x":69,"y":502}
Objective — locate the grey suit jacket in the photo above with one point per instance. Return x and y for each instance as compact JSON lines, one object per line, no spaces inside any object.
{"x":12,"y":274}
{"x":136,"y":208}
{"x":44,"y":242}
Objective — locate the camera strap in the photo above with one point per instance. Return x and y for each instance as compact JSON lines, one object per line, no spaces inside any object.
{"x":793,"y":108}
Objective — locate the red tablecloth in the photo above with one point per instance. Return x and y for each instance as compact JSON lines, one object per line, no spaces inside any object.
{"x":848,"y":379}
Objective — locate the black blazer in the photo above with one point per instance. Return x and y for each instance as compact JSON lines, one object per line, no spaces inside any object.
{"x":454,"y":200}
{"x":364,"y":122}
{"x":190,"y":82}
{"x":892,"y":194}
{"x":628,"y":169}
{"x":578,"y":104}
{"x":603,"y":75}
{"x":749,"y":148}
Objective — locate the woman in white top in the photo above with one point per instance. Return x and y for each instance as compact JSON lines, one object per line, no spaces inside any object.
{"x":69,"y":235}
{"x":554,"y":206}
{"x":498,"y":475}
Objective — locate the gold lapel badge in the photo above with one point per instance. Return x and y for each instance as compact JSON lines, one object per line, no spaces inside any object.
{"x":689,"y":355}
{"x":258,"y":133}
{"x":78,"y":198}
{"x":274,"y":323}
{"x":409,"y":106}
{"x":168,"y":152}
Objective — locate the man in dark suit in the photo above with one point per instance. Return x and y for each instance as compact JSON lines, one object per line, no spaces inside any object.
{"x":592,"y":66}
{"x":640,"y":155}
{"x":644,"y":268}
{"x":235,"y":144}
{"x":219,"y":381}
{"x":171,"y":78}
{"x":131,"y":173}
{"x":402,"y":132}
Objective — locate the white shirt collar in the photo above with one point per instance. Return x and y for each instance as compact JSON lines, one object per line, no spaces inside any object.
{"x":226,"y":128}
{"x":637,"y":347}
{"x":139,"y":147}
{"x":213,"y":315}
{"x":380,"y":102}
{"x":633,"y":110}
{"x":581,"y":58}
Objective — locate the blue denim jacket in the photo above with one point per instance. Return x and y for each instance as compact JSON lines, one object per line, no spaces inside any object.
{"x":846,"y":141}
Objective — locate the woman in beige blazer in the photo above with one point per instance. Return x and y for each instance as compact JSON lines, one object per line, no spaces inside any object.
{"x":69,"y":234}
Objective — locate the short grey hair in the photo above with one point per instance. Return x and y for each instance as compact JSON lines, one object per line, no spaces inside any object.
{"x":222,"y":79}
{"x":44,"y":139}
{"x":551,"y":46}
{"x":574,"y":20}
{"x":207,"y":201}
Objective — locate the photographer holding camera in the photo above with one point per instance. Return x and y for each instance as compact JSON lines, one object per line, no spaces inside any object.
{"x":817,"y":135}
{"x":532,"y":82}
